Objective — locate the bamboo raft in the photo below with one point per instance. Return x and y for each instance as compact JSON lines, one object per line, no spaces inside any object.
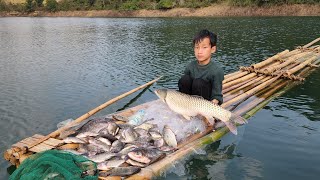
{"x":245,"y":92}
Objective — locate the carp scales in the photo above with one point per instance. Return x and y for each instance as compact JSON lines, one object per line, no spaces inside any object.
{"x":188,"y":106}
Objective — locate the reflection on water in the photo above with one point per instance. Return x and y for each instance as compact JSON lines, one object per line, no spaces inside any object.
{"x":54,"y":69}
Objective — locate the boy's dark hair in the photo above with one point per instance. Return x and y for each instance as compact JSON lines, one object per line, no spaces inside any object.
{"x":203,"y":34}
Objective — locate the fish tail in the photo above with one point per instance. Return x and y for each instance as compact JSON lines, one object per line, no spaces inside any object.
{"x":237,"y":119}
{"x":232,"y":127}
{"x":231,"y":123}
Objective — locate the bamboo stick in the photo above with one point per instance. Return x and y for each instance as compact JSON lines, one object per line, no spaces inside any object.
{"x":246,"y":87}
{"x":311,"y":43}
{"x":290,"y":60}
{"x":269,"y":60}
{"x":238,"y":88}
{"x":235,"y":77}
{"x":93,"y":111}
{"x":240,"y":80}
{"x":231,"y":74}
{"x":250,"y":92}
{"x":228,"y":90}
{"x":299,"y":67}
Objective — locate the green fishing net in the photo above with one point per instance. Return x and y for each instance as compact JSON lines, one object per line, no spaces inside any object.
{"x":54,"y":164}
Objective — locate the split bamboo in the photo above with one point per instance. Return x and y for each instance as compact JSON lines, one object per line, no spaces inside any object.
{"x":269,"y":60}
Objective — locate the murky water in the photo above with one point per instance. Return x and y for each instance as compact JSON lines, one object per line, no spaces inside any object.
{"x":52,"y":69}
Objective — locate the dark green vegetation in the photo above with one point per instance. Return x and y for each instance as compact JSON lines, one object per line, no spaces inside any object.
{"x":74,"y":5}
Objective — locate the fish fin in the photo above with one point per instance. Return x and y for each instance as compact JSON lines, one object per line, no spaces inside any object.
{"x":187,"y":117}
{"x":232,"y":127}
{"x":238,"y":119}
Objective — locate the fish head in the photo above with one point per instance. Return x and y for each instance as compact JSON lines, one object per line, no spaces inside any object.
{"x":161,"y":93}
{"x":139,"y":156}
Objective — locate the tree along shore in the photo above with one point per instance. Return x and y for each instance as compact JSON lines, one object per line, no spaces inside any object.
{"x":214,"y":9}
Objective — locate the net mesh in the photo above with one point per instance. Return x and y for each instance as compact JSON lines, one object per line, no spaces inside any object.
{"x":54,"y":164}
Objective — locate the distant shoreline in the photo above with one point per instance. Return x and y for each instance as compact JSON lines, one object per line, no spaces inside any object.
{"x":211,"y":11}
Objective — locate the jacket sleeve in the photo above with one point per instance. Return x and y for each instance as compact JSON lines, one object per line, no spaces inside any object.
{"x":187,"y":70}
{"x":217,"y":86}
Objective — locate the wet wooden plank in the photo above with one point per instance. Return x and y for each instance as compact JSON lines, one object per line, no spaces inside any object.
{"x":53,"y":142}
{"x":41,"y":147}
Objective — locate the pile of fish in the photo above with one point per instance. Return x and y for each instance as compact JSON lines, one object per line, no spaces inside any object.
{"x":121,"y":146}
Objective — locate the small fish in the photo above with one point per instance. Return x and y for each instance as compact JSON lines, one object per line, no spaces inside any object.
{"x":146,"y":155}
{"x":52,"y":175}
{"x":155,"y":135}
{"x":135,"y":163}
{"x":107,"y":165}
{"x":128,"y":135}
{"x":169,"y":137}
{"x":120,"y":118}
{"x":147,"y":126}
{"x":86,"y":134}
{"x":128,"y":148}
{"x":73,"y":140}
{"x":112,"y":128}
{"x":142,"y":132}
{"x":159,"y":142}
{"x":95,"y":125}
{"x":102,"y":157}
{"x":116,"y":146}
{"x":188,"y":106}
{"x":104,"y":140}
{"x":120,"y":171}
{"x":101,"y":145}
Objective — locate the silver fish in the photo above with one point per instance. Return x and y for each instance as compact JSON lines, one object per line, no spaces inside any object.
{"x":128,"y":135}
{"x":120,"y":171}
{"x":120,"y":118}
{"x":188,"y":106}
{"x":95,"y":125}
{"x":105,"y":166}
{"x":102,"y":157}
{"x":169,"y":137}
{"x":73,"y":140}
{"x":135,"y":163}
{"x":116,"y":146}
{"x":147,"y":126}
{"x":86,"y":134}
{"x":146,"y":155}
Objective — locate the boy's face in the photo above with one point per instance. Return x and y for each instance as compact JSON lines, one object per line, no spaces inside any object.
{"x":203,"y":51}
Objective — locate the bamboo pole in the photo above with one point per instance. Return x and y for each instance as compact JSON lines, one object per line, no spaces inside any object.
{"x":311,"y":43}
{"x":299,"y":67}
{"x":247,"y":87}
{"x":250,"y":92}
{"x":269,"y":60}
{"x":290,"y":60}
{"x":235,"y":77}
{"x":231,"y":74}
{"x":93,"y":111}
{"x":240,"y":80}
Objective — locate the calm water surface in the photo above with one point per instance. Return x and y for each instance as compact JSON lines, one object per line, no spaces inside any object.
{"x":52,"y":69}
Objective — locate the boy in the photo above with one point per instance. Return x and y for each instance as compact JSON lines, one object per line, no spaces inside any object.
{"x":203,"y":77}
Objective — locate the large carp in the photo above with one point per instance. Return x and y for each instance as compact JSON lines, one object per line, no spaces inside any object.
{"x":188,"y":106}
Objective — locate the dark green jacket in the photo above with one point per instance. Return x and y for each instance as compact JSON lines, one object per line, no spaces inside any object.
{"x":211,"y":72}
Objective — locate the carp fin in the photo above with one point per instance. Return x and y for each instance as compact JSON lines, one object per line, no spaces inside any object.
{"x":232,"y":127}
{"x":238,"y":119}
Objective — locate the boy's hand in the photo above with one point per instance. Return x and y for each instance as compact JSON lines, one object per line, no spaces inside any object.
{"x":215,"y":101}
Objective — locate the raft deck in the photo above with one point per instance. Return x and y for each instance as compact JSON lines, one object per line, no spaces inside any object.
{"x":245,"y":92}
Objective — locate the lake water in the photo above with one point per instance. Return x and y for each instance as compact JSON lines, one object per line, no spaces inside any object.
{"x":52,"y":69}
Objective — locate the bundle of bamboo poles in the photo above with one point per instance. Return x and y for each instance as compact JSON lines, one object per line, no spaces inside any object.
{"x":246,"y":92}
